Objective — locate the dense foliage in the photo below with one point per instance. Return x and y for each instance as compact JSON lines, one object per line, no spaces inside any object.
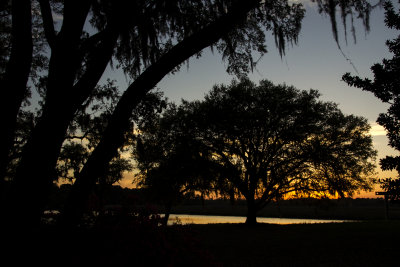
{"x":266,"y":141}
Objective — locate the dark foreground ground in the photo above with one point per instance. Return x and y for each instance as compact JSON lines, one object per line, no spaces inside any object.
{"x":345,"y":244}
{"x":373,"y":243}
{"x":139,"y":241}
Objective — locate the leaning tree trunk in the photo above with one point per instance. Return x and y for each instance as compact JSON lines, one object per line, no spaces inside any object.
{"x":36,"y":171}
{"x":119,"y":122}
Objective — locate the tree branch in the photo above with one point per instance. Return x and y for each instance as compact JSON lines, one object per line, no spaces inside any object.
{"x":97,"y":63}
{"x":113,"y":136}
{"x":90,"y":42}
{"x":48,"y":22}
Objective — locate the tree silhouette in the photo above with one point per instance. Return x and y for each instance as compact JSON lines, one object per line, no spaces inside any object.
{"x":149,"y":39}
{"x":385,"y":86}
{"x":89,"y":129}
{"x":86,"y":129}
{"x":272,"y":141}
{"x":171,"y":164}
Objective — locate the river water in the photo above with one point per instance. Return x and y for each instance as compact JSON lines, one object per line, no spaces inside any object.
{"x":206,"y":219}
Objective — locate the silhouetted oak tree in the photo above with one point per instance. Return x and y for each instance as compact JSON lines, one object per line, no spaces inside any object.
{"x":277,"y":141}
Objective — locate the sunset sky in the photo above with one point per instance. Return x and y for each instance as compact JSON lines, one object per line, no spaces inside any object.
{"x":315,"y":62}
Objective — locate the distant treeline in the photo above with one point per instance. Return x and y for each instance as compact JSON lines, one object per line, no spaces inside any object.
{"x":311,"y":208}
{"x":348,"y":208}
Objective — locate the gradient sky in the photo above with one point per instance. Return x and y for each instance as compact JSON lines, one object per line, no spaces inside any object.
{"x":315,"y":62}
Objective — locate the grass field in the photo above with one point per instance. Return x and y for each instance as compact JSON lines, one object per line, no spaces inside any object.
{"x":372,"y":243}
{"x":130,"y":242}
{"x":343,"y":244}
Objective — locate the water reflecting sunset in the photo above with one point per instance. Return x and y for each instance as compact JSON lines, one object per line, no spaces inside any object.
{"x":207,"y":219}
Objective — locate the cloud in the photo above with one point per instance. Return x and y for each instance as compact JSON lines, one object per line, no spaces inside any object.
{"x":377,"y":130}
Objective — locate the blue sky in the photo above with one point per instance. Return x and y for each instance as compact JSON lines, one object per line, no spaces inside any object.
{"x":315,"y":62}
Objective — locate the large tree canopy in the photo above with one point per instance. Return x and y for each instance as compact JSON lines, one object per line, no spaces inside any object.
{"x":273,"y":141}
{"x":149,"y":39}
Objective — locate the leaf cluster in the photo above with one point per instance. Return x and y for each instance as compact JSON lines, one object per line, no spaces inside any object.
{"x":149,"y":29}
{"x":392,"y":188}
{"x":353,"y":9}
{"x":171,"y":164}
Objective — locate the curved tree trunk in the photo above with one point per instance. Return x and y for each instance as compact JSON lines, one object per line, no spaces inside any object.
{"x":119,"y":122}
